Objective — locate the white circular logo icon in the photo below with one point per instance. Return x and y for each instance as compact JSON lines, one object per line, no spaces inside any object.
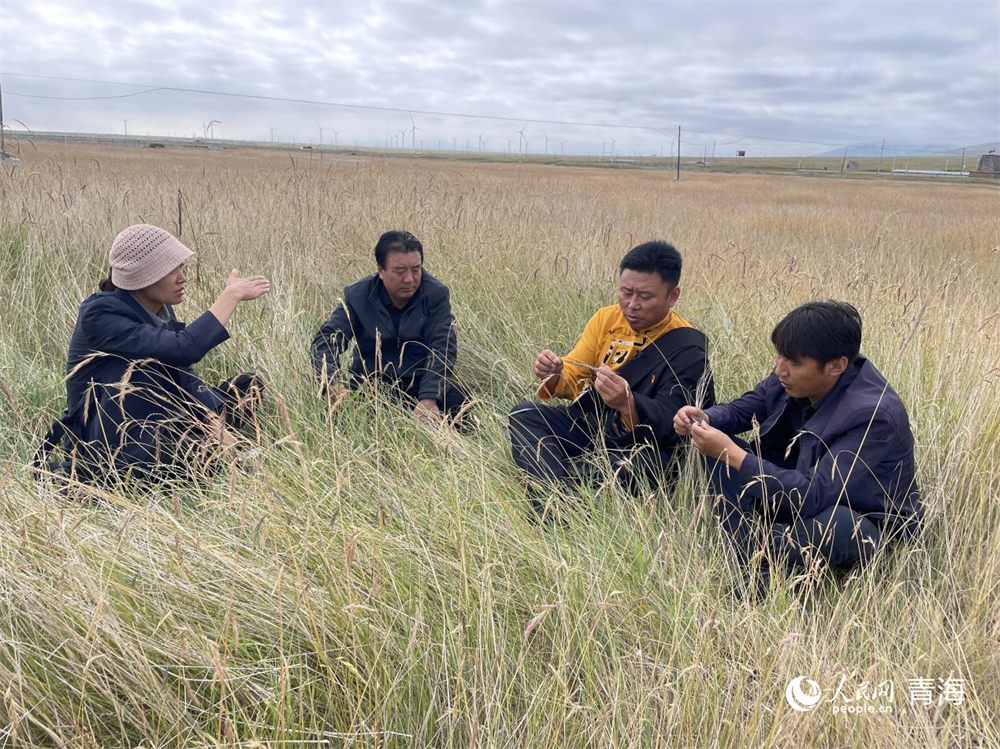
{"x":801,"y":700}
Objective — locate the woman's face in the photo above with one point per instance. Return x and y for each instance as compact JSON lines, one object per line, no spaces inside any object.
{"x":170,"y":288}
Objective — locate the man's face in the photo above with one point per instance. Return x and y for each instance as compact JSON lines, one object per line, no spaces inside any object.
{"x":645,"y":298}
{"x":806,"y":377}
{"x":401,"y":276}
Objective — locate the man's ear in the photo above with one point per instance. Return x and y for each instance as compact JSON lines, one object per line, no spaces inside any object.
{"x":674,"y":295}
{"x":836,"y":367}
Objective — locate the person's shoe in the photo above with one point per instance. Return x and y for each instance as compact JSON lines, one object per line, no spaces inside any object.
{"x":545,"y":509}
{"x":753,"y":587}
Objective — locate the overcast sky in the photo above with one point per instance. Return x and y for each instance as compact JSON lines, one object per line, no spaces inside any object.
{"x":830,"y":72}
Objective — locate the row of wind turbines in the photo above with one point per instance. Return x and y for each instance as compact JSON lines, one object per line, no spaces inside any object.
{"x":397,"y":140}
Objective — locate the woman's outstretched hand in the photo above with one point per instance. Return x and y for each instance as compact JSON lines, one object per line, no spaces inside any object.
{"x":250,"y":287}
{"x":238,"y":289}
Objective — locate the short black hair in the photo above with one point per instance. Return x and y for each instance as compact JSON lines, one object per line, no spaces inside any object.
{"x":655,"y":256}
{"x":823,"y":331}
{"x":396,"y":241}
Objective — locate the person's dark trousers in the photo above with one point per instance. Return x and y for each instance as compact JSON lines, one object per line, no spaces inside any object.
{"x":452,"y":398}
{"x":839,"y":536}
{"x":242,"y":396}
{"x":547,"y":441}
{"x":177,"y":435}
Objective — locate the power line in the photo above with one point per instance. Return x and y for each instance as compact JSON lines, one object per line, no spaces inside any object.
{"x":291,"y":100}
{"x":82,"y":98}
{"x":151,"y":88}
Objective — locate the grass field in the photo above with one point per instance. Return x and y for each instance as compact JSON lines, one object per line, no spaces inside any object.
{"x":372,"y":584}
{"x":693,"y":158}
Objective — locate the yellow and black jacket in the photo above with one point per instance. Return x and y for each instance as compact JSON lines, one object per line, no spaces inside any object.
{"x":666,"y":367}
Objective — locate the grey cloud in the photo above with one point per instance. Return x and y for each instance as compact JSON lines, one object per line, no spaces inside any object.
{"x":837,"y":71}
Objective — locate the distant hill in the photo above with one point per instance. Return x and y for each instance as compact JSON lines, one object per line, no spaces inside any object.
{"x":975,"y":150}
{"x":930,"y":149}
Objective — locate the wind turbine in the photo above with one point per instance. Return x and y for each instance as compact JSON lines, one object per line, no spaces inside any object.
{"x":272,"y":133}
{"x":126,"y":126}
{"x":613,"y":141}
{"x":321,"y":129}
{"x":335,"y":134}
{"x":546,"y":142}
{"x":210,"y":127}
{"x":480,"y":142}
{"x":523,"y":138}
{"x":413,"y":132}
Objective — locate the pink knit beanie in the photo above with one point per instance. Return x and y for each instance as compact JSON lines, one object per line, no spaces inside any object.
{"x":142,"y":254}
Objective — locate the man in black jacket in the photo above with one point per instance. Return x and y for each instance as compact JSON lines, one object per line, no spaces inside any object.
{"x":400,"y":318}
{"x":636,"y":363}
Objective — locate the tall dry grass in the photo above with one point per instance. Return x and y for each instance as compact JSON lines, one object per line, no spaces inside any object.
{"x":371,"y":584}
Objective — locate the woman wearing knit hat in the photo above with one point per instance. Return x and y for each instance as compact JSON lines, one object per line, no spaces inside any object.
{"x":133,"y":400}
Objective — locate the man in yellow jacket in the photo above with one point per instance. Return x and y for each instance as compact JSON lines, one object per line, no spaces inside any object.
{"x":635,"y":365}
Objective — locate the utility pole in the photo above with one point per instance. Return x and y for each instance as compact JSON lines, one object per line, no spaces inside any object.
{"x":126,"y":127}
{"x":879,"y":170}
{"x":678,"y":152}
{"x":843,"y":164}
{"x":963,"y":160}
{"x":2,"y":143}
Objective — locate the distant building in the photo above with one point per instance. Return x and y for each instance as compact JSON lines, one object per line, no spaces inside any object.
{"x":852,"y":166}
{"x":989,"y":166}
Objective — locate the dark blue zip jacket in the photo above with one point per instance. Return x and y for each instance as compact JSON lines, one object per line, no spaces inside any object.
{"x":115,"y":341}
{"x":856,"y":450}
{"x":423,"y":348}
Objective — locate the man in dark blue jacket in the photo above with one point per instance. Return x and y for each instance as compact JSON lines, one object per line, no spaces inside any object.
{"x":830,"y":475}
{"x":400,"y":319}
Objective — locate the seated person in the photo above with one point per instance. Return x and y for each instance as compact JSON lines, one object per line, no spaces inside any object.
{"x":636,"y":363}
{"x":830,"y":477}
{"x":133,"y":400}
{"x":400,"y":318}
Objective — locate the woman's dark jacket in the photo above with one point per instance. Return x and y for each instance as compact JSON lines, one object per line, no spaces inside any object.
{"x":856,"y":450}
{"x":129,"y":374}
{"x":422,"y":350}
